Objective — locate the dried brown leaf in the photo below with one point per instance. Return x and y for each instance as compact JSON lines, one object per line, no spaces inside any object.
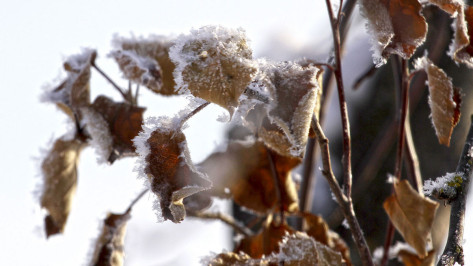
{"x":139,"y":69}
{"x":461,"y":49}
{"x":114,"y":125}
{"x":240,"y":259}
{"x":318,"y":229}
{"x":243,"y":171}
{"x":444,"y":100}
{"x":59,"y":170}
{"x":213,"y":63}
{"x":266,"y":242}
{"x":155,"y":49}
{"x":168,"y":167}
{"x":109,"y":246}
{"x":412,"y":214}
{"x":74,"y":92}
{"x":410,"y":259}
{"x":397,"y":26}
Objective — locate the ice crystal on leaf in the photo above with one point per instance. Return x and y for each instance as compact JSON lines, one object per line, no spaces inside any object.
{"x":444,"y":187}
{"x":165,"y":162}
{"x":213,"y":63}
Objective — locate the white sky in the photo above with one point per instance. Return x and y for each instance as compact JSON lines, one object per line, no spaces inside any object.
{"x":35,"y":36}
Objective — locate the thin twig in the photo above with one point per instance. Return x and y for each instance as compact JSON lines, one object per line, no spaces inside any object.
{"x":195,"y":111}
{"x":111,"y":81}
{"x":368,"y":73}
{"x":224,"y":218}
{"x":346,"y":160}
{"x":403,"y":77}
{"x":453,"y":252}
{"x":136,"y":200}
{"x":343,"y":201}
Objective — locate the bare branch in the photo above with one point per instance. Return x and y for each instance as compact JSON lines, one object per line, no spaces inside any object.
{"x":224,"y":218}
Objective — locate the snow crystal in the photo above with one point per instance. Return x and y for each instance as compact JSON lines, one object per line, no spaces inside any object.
{"x":101,"y":138}
{"x":445,"y":184}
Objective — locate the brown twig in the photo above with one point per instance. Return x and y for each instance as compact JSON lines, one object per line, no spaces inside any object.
{"x":194,"y":112}
{"x":277,"y":183}
{"x":128,"y":210}
{"x":125,"y":97}
{"x":343,"y":201}
{"x":453,"y":252}
{"x":224,"y":218}
{"x":346,"y":160}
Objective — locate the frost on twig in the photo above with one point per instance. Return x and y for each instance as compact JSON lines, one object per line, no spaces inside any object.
{"x":444,"y":187}
{"x":213,"y":63}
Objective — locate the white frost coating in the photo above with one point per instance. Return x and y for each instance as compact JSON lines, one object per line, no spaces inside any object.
{"x":442,"y":184}
{"x":101,"y":138}
{"x":379,"y":27}
{"x":74,"y":64}
{"x":226,"y":40}
{"x":393,"y":251}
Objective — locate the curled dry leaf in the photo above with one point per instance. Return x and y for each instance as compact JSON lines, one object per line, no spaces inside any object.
{"x":112,"y":127}
{"x":167,"y":165}
{"x":74,"y":92}
{"x":266,"y":242}
{"x":213,"y":63}
{"x":59,"y":169}
{"x":460,"y":49}
{"x":243,"y":172}
{"x":444,"y":100}
{"x":109,"y":246}
{"x":150,"y":55}
{"x":396,"y":26}
{"x":318,"y":229}
{"x":410,"y":259}
{"x":412,"y":214}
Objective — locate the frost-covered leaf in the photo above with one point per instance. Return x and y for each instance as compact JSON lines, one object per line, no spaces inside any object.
{"x":295,"y":91}
{"x":460,"y":49}
{"x":150,"y":52}
{"x":266,"y":242}
{"x":412,"y":259}
{"x":213,"y":63}
{"x":230,"y":258}
{"x":412,"y":214}
{"x":299,"y":249}
{"x":74,"y":92}
{"x":109,"y":246}
{"x":396,"y":26}
{"x":141,"y":70}
{"x":112,"y":127}
{"x":444,"y":100}
{"x":243,"y":172}
{"x":59,"y":169}
{"x":318,"y":229}
{"x":165,"y":161}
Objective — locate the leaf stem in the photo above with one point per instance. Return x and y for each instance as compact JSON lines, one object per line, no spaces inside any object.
{"x":128,"y":210}
{"x":224,"y":218}
{"x":194,"y":112}
{"x":277,"y":183}
{"x":453,"y":252}
{"x":343,"y":201}
{"x":110,"y":80}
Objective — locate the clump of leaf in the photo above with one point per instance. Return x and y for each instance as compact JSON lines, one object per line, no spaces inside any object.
{"x":396,"y":26}
{"x":243,"y":172}
{"x":444,"y":100}
{"x":165,"y":162}
{"x":59,"y":169}
{"x":74,"y":92}
{"x":146,"y":61}
{"x":213,"y":63}
{"x":412,"y":215}
{"x":112,"y":127}
{"x":109,"y":246}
